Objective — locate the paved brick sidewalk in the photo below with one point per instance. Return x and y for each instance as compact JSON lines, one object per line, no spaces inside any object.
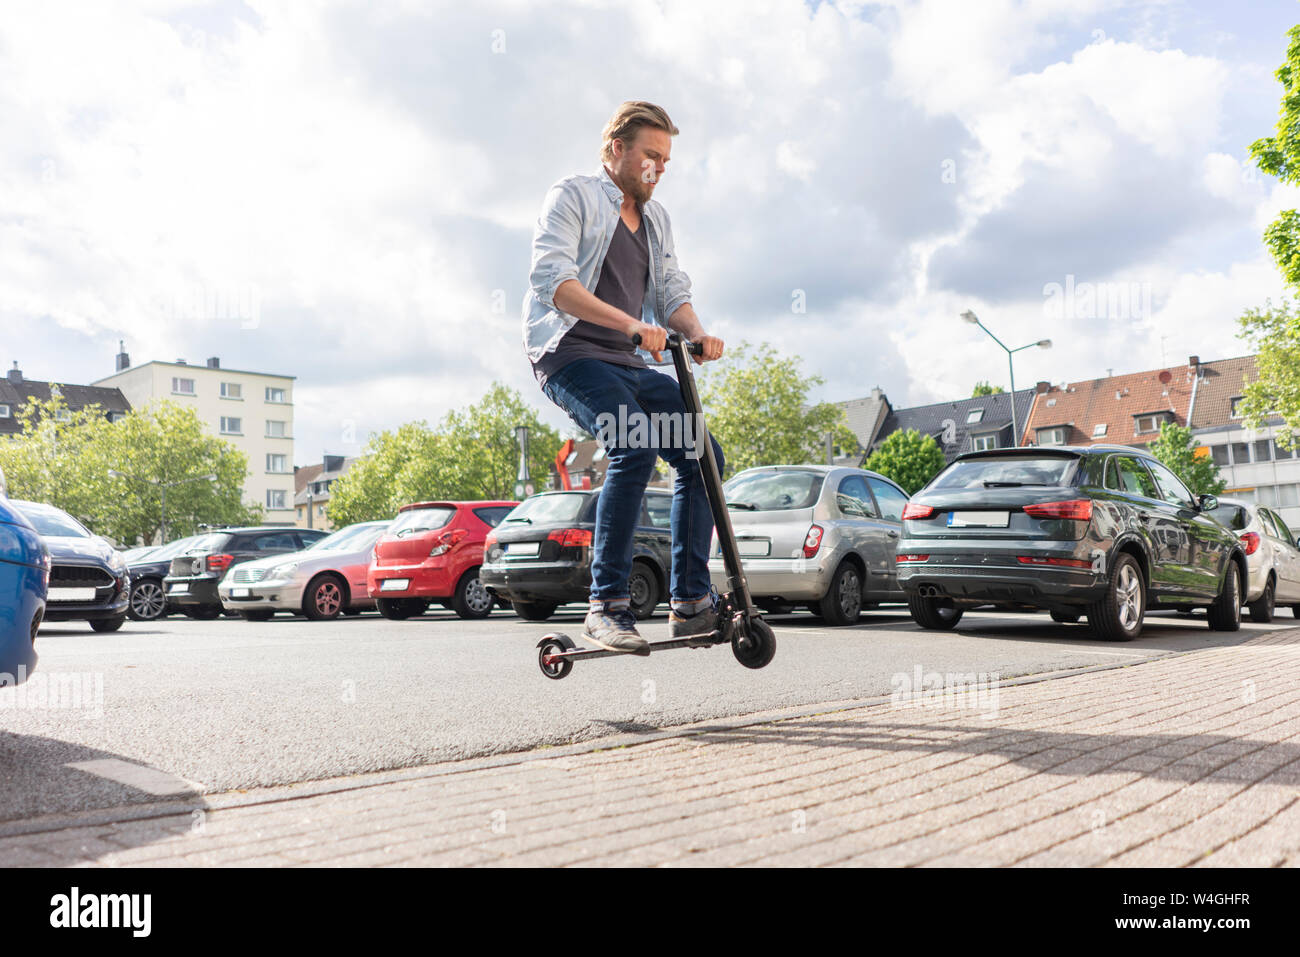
{"x":1187,"y":760}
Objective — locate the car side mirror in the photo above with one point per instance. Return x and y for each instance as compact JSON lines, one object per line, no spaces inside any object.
{"x":1207,"y":503}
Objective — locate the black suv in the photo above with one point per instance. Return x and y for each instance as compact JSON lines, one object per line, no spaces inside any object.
{"x":539,"y":557}
{"x":191,"y":585}
{"x":1104,"y":531}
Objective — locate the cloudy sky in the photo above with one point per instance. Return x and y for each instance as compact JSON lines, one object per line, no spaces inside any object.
{"x":345,"y":192}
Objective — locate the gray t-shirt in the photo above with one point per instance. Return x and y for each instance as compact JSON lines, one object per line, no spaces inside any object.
{"x":622,"y":284}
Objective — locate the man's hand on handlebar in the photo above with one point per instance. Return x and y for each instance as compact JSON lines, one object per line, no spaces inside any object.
{"x":712,"y":349}
{"x":654,"y":339}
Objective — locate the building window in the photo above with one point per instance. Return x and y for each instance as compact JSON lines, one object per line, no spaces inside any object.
{"x":1236,"y":407}
{"x":231,"y":426}
{"x":275,"y":395}
{"x":277,"y":462}
{"x":974,"y":415}
{"x":1240,"y":453}
{"x":276,"y":498}
{"x":1220,"y":455}
{"x":1099,"y":430}
{"x":232,"y":390}
{"x":63,"y":415}
{"x":1281,"y":453}
{"x":1149,"y":423}
{"x":1262,"y":451}
{"x":1051,"y":436}
{"x":182,"y":386}
{"x":276,"y":429}
{"x":4,"y":412}
{"x":115,"y":416}
{"x":980,"y":443}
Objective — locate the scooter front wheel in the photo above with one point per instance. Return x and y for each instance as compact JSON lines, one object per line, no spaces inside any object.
{"x":753,"y":643}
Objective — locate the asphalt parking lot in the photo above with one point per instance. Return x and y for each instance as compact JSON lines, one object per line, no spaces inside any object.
{"x":181,"y":707}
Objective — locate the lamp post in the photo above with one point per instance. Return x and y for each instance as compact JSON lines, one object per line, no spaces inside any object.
{"x":162,"y":488}
{"x":1041,"y":344}
{"x":522,"y":488}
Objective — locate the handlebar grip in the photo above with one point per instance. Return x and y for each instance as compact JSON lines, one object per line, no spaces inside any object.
{"x":694,"y":348}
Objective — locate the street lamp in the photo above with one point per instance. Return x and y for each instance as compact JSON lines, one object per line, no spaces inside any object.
{"x":1041,"y":344}
{"x":521,"y":479}
{"x":163,"y":487}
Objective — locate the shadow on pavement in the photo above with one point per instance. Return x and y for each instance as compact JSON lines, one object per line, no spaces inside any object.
{"x":42,"y":779}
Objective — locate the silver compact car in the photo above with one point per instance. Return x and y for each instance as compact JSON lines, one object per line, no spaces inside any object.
{"x":1272,"y":556}
{"x":815,"y":535}
{"x":321,"y":581}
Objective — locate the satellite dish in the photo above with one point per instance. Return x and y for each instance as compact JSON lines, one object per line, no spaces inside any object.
{"x":1165,"y":376}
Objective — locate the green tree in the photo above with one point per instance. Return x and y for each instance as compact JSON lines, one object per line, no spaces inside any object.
{"x":756,"y":407}
{"x":1274,"y":334}
{"x":473,"y":454}
{"x":1177,"y":449}
{"x":64,"y":459}
{"x":1279,"y":155}
{"x":984,"y":388}
{"x":909,"y":458}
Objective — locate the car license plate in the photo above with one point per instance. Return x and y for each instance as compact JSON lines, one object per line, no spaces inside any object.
{"x":239,"y":593}
{"x":523,"y":549}
{"x":72,"y":594}
{"x":750,"y":547}
{"x":979,"y":519}
{"x":181,"y":588}
{"x":395,"y":584}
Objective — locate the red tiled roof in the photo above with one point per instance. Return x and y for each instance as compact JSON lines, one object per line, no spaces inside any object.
{"x":1115,"y":402}
{"x":1221,"y":382}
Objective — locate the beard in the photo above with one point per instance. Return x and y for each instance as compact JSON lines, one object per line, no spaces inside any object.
{"x":630,"y":182}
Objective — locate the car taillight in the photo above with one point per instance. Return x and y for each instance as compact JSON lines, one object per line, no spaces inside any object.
{"x":917,"y":511}
{"x":1080,"y":510}
{"x":1067,"y":562}
{"x":911,"y":558}
{"x":219,"y":563}
{"x":812,"y":541}
{"x":1251,"y":541}
{"x":571,"y":537}
{"x":489,"y":543}
{"x":445,"y":542}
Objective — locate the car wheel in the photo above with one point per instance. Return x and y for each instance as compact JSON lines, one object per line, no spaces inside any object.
{"x":937,"y":614}
{"x":534,"y":610}
{"x":148,"y":600}
{"x":1225,"y":613}
{"x":842,"y":603}
{"x":1066,"y":617}
{"x":206,"y":612}
{"x":322,"y":599}
{"x":471,"y":600}
{"x":643,"y":591}
{"x":1261,"y":609}
{"x":108,"y":624}
{"x":1117,"y":616}
{"x":263,"y":614}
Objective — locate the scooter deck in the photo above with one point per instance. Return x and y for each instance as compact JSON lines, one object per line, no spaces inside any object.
{"x":715,"y":638}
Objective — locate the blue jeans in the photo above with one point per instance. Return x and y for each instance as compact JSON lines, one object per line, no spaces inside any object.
{"x":591,"y":391}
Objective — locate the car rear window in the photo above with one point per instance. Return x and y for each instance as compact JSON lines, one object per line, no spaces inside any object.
{"x":208,"y":543}
{"x":543,"y":509}
{"x":1235,"y":517}
{"x":1006,"y":471}
{"x":491,"y":515}
{"x":421,"y":520}
{"x":774,"y":491}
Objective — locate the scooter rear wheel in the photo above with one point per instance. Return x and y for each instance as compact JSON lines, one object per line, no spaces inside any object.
{"x":554,"y":645}
{"x":754,"y":645}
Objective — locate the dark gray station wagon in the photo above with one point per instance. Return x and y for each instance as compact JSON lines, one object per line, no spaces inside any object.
{"x":1103,"y":531}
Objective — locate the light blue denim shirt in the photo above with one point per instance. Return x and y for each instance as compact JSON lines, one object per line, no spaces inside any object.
{"x":570,"y":242}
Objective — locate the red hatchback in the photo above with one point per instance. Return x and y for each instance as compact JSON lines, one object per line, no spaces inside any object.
{"x":432,"y":552}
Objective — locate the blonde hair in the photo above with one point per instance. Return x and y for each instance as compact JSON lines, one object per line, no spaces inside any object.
{"x":629,"y":118}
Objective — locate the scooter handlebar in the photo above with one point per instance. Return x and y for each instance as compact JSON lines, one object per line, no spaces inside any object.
{"x":694,"y":348}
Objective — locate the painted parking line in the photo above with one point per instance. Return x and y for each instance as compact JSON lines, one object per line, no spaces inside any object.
{"x":146,"y":779}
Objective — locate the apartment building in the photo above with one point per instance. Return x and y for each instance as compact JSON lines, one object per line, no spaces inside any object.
{"x":251,"y":410}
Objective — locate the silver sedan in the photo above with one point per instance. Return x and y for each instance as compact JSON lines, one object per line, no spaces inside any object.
{"x":815,"y":535}
{"x":1272,"y":556}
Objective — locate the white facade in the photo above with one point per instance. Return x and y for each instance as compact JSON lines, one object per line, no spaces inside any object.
{"x":251,"y":410}
{"x":1256,"y":468}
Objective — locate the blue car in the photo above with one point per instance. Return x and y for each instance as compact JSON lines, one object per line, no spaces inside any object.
{"x":24,"y":582}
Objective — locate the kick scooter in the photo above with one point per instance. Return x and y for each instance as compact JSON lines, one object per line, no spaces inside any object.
{"x":739,"y":622}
